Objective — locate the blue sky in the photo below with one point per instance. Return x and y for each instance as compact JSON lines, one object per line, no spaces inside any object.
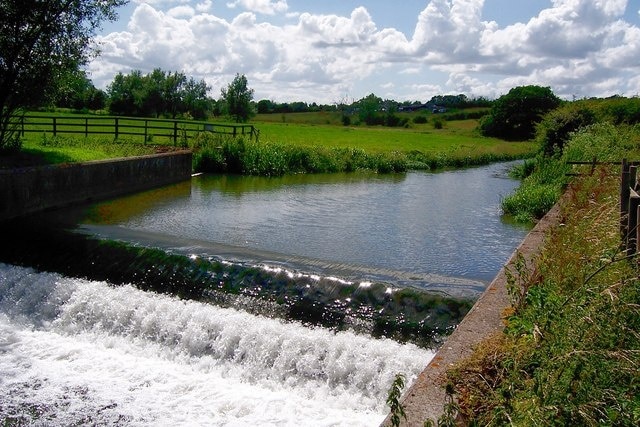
{"x":331,"y":50}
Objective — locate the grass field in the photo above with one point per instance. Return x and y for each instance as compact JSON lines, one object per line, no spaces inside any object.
{"x":456,"y":140}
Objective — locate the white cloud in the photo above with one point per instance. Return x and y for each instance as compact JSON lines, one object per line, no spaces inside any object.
{"x":266,"y":7}
{"x":577,"y":47}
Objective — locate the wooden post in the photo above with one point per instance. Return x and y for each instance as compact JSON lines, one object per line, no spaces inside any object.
{"x":22,"y":125}
{"x":146,"y":123}
{"x":637,"y":234}
{"x":632,"y":242}
{"x":55,"y":127}
{"x":175,"y":133}
{"x":116,"y":126}
{"x":624,"y":200}
{"x":86,"y":127}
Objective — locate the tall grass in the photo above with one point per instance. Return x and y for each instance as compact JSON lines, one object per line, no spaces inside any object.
{"x":570,"y":354}
{"x":215,"y":153}
{"x":546,"y":176}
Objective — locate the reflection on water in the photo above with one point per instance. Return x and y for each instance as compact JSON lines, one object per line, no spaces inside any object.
{"x":428,"y":225}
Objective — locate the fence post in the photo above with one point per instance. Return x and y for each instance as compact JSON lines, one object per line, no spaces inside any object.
{"x":54,"y":127}
{"x":624,"y":200}
{"x":86,"y":127}
{"x":22,"y":125}
{"x":146,"y":123}
{"x":632,"y":241}
{"x":175,"y":133}
{"x":116,"y":126}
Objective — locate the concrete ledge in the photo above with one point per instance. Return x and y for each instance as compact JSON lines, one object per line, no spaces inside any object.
{"x":33,"y":189}
{"x":426,"y":398}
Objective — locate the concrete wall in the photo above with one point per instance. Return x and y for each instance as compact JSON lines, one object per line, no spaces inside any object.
{"x":33,"y":189}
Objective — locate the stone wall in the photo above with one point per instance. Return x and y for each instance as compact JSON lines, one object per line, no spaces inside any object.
{"x":33,"y":189}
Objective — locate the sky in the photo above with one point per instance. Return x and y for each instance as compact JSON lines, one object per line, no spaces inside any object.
{"x":330,"y":51}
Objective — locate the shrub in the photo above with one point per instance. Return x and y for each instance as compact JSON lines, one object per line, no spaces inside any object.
{"x":420,"y":120}
{"x":556,"y":127}
{"x":515,"y":115}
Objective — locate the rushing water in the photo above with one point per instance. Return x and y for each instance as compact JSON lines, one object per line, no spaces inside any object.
{"x":77,"y":352}
{"x":82,"y":351}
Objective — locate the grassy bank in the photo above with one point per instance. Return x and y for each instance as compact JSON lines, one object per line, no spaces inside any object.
{"x":570,"y":352}
{"x":299,"y":145}
{"x":545,"y":177}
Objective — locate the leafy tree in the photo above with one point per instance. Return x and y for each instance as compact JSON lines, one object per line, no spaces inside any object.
{"x":368,"y":108}
{"x":153,"y":99}
{"x":158,"y":93}
{"x":126,"y":94}
{"x":39,"y":42}
{"x":75,"y":90}
{"x":173,"y":93}
{"x":237,"y":97}
{"x":265,"y":106}
{"x":514,"y":116}
{"x":195,"y":100}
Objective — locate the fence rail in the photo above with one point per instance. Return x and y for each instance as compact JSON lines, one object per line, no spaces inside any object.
{"x":148,"y":129}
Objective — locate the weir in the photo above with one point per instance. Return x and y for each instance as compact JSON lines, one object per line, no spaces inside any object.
{"x":236,"y":329}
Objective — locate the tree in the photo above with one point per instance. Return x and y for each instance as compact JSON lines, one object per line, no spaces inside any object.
{"x":237,"y":97}
{"x":158,"y":93}
{"x":368,"y":108}
{"x":39,"y":42}
{"x":127,"y":94}
{"x":75,"y":90}
{"x":514,"y":116}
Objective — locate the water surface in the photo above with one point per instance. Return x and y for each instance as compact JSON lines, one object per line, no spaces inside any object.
{"x":432,"y":230}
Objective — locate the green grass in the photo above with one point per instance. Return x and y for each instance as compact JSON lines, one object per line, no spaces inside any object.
{"x":547,"y":176}
{"x":571,"y":349}
{"x":303,"y":136}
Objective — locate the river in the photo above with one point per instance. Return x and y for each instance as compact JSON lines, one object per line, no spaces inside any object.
{"x":79,"y":350}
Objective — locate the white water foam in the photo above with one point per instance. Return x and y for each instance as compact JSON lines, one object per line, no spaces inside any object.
{"x":82,"y":352}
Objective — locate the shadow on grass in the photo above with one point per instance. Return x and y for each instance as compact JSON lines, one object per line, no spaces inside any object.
{"x":31,"y":157}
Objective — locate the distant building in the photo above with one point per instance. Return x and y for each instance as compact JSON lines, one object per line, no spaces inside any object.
{"x":420,"y":107}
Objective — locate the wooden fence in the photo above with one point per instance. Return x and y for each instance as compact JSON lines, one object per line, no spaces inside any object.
{"x":148,"y":129}
{"x":629,"y":206}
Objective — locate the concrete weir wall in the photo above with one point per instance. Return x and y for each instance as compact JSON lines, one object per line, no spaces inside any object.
{"x":426,"y":398}
{"x":33,"y":189}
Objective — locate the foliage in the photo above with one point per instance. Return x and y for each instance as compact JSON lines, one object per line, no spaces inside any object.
{"x":368,"y":108}
{"x":558,"y":125}
{"x":158,"y":93}
{"x":569,"y":354}
{"x":214,"y":153}
{"x":393,"y":400}
{"x":515,"y":115}
{"x":40,"y":41}
{"x":542,"y":187}
{"x":237,"y":98}
{"x":76,"y":91}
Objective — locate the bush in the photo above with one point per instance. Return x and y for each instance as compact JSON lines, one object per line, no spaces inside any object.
{"x":216,"y":154}
{"x":438,"y":122}
{"x":514,"y":116}
{"x":556,"y":127}
{"x":420,"y":120}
